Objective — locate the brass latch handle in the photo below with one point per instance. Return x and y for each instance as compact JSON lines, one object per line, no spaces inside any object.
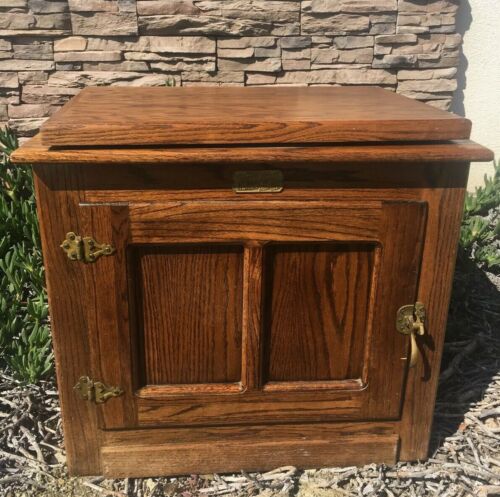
{"x":410,"y":320}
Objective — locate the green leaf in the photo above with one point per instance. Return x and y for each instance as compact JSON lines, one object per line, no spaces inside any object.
{"x":25,"y":345}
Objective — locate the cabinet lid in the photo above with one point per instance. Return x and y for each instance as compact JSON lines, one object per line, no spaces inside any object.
{"x":114,"y":116}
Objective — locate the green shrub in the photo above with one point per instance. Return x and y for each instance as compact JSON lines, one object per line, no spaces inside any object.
{"x":24,"y":330}
{"x":480,"y":233}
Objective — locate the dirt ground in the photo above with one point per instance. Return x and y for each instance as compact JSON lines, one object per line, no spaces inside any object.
{"x":465,"y":450}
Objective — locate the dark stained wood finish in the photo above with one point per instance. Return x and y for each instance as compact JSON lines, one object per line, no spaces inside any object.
{"x":397,"y":283}
{"x":205,"y":450}
{"x":259,"y":454}
{"x":232,"y":403}
{"x":201,"y":222}
{"x":191,"y":299}
{"x":210,"y":434}
{"x":438,"y":263}
{"x":317,"y":311}
{"x":348,"y":182}
{"x":313,"y":400}
{"x":318,"y":440}
{"x":110,"y":343}
{"x":253,"y":275}
{"x":139,"y":184}
{"x":250,"y":331}
{"x":161,"y":116}
{"x":400,"y":155}
{"x":57,"y":203}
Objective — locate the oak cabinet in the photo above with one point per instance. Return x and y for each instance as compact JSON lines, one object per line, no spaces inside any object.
{"x":241,"y":295}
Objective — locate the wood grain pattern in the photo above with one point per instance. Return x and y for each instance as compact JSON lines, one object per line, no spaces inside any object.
{"x":252,"y":316}
{"x":400,"y":233}
{"x":57,"y":203}
{"x":198,"y":222}
{"x":438,"y":263}
{"x":402,"y":238}
{"x":264,"y":406}
{"x":252,"y":424}
{"x":317,"y":311}
{"x":191,"y":303}
{"x":209,"y":434}
{"x":187,"y":390}
{"x":341,"y":438}
{"x":148,"y":116}
{"x":107,"y":312}
{"x":302,"y":181}
{"x":398,"y":155}
{"x":258,"y":454}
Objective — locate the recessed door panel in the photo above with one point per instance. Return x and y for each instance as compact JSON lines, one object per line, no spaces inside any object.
{"x":317,"y":303}
{"x":189,"y":301}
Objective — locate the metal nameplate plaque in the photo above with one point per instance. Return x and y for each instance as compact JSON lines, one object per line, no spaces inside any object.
{"x":258,"y":181}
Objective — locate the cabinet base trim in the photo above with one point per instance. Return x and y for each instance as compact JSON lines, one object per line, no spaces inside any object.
{"x":211,"y":450}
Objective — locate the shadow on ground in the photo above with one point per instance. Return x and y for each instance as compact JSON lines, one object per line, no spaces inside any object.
{"x":471,"y":356}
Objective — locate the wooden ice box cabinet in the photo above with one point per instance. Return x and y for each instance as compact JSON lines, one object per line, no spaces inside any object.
{"x":244,"y":278}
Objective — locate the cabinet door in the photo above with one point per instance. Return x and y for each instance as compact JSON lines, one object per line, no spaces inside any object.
{"x":252,"y":311}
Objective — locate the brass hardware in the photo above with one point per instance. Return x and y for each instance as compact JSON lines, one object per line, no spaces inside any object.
{"x":258,"y":181}
{"x":84,"y":249}
{"x":95,"y":391}
{"x":410,"y":320}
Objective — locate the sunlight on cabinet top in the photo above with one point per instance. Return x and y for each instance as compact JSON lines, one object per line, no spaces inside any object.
{"x":227,"y":115}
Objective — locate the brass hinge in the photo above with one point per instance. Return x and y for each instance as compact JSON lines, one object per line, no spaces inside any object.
{"x":84,"y":249}
{"x":410,"y":320}
{"x":95,"y":391}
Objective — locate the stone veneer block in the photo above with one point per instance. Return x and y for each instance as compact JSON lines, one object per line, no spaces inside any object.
{"x":218,"y":26}
{"x":334,"y":25}
{"x":161,"y":7}
{"x":425,"y":6}
{"x":70,"y":44}
{"x":219,"y":77}
{"x":87,"y":56}
{"x":186,"y":64}
{"x":350,"y":42}
{"x":26,"y":111}
{"x":356,"y":6}
{"x":100,"y":23}
{"x":182,"y":44}
{"x":265,"y":65}
{"x":26,"y":65}
{"x":244,"y":42}
{"x":48,"y":7}
{"x":9,"y":80}
{"x":427,"y":74}
{"x":14,"y":3}
{"x":102,"y":6}
{"x":428,"y":85}
{"x":33,"y":49}
{"x":362,"y":76}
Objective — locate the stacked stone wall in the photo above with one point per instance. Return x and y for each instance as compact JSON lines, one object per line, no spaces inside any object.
{"x":50,"y":49}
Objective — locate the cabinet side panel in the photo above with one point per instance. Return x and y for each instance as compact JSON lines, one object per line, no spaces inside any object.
{"x":438,"y":264}
{"x":57,"y":204}
{"x":191,"y":309}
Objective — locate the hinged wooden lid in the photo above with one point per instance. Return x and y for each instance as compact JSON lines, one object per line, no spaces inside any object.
{"x":116,"y":116}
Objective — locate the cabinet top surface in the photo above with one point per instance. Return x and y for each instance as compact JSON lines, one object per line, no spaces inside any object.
{"x":117,"y":116}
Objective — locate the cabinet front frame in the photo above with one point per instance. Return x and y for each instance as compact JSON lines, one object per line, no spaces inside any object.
{"x":396,"y":227}
{"x":60,"y":194}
